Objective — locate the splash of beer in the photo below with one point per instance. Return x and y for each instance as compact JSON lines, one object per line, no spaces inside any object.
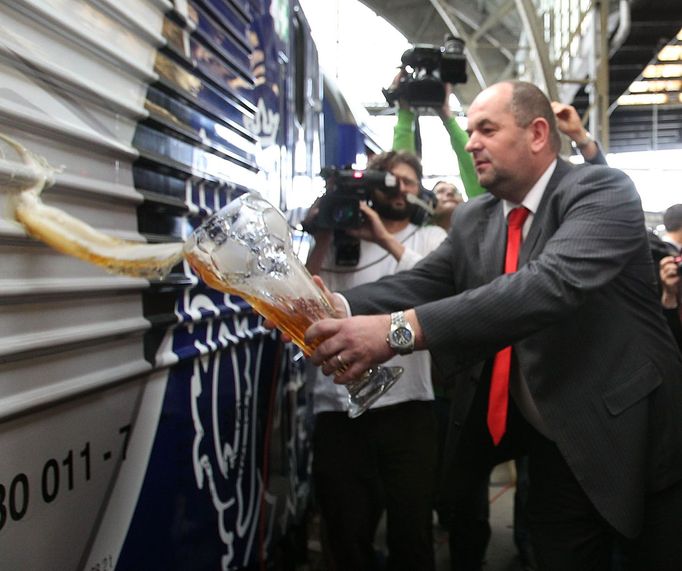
{"x":74,"y":237}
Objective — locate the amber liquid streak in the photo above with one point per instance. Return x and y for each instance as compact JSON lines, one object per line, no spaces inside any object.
{"x":74,"y":238}
{"x":292,"y":316}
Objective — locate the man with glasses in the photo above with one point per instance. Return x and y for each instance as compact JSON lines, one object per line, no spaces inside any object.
{"x":386,"y":458}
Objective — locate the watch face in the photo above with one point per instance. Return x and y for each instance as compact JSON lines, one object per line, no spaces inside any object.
{"x":402,"y":336}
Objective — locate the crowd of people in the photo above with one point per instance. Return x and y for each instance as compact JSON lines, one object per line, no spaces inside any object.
{"x":535,"y":322}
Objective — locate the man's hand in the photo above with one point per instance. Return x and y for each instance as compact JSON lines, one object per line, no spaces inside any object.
{"x":568,"y":121}
{"x":349,"y":347}
{"x":374,"y":230}
{"x":670,"y":279}
{"x":402,"y":103}
{"x":334,"y":300}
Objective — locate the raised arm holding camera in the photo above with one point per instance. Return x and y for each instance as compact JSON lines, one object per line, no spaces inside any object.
{"x":425,"y":79}
{"x":364,"y":228}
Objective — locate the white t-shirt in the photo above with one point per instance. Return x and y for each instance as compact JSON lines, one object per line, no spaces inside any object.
{"x":375,"y":262}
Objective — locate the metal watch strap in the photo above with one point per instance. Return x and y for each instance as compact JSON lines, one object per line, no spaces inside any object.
{"x":584,"y":141}
{"x":398,"y":322}
{"x":398,"y":319}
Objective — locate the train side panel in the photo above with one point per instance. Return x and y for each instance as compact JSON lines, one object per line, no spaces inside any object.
{"x":147,"y":424}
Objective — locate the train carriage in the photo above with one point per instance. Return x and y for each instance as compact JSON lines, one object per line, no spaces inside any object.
{"x":144,"y":423}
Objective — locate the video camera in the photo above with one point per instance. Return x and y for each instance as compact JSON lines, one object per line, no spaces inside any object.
{"x":431,"y":67}
{"x":340,"y":207}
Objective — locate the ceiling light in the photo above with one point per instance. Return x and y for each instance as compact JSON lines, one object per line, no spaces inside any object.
{"x":671,"y":53}
{"x":662,"y":70}
{"x":643,"y":99}
{"x":655,"y":86}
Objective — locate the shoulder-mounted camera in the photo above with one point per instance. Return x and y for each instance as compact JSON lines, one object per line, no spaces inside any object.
{"x":339,"y":209}
{"x":340,"y":206}
{"x":428,"y":69}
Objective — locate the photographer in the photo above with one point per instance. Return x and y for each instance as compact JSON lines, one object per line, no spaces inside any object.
{"x":670,"y":268}
{"x":386,"y":458}
{"x":671,"y":297}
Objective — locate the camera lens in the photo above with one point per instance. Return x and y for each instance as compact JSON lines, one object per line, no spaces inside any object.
{"x":453,"y":45}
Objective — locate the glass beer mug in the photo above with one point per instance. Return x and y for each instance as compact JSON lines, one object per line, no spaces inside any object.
{"x":245,"y":249}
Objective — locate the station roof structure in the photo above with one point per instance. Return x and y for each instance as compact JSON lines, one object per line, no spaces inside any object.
{"x":631,"y":100}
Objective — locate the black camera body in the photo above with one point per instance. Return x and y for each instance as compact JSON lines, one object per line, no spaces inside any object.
{"x":429,"y":68}
{"x":340,"y":206}
{"x":339,"y":209}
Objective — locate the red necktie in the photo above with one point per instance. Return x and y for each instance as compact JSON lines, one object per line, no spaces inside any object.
{"x":499,"y":380}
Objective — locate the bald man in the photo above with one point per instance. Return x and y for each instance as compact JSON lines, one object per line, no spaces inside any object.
{"x":593,"y":387}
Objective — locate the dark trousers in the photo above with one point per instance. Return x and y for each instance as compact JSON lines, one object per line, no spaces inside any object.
{"x":465,"y":487}
{"x":478,"y":526}
{"x":566,"y":531}
{"x":384,"y":459}
{"x":569,"y":534}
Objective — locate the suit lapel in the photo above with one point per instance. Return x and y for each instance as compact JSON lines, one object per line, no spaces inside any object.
{"x":528,"y":245}
{"x":492,"y":238}
{"x":536,"y":228}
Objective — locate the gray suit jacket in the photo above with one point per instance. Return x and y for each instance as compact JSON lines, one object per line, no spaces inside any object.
{"x":584,"y":319}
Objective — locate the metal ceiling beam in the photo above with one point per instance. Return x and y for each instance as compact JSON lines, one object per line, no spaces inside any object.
{"x":534,"y":31}
{"x":493,"y":50}
{"x":471,"y":52}
{"x":599,"y":95}
{"x":425,"y":24}
{"x":501,"y":46}
{"x":493,"y":19}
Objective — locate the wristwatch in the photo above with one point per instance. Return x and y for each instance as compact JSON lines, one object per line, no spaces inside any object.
{"x":401,"y":335}
{"x":584,"y":141}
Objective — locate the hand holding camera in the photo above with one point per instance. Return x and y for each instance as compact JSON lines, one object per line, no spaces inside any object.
{"x":372,"y":228}
{"x":425,"y":71}
{"x":344,"y":209}
{"x":670,"y":270}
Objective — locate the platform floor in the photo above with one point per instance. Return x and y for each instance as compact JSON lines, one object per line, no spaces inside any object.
{"x":501,"y":554}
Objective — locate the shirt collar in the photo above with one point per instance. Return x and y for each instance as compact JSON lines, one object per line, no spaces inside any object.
{"x":532,"y":200}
